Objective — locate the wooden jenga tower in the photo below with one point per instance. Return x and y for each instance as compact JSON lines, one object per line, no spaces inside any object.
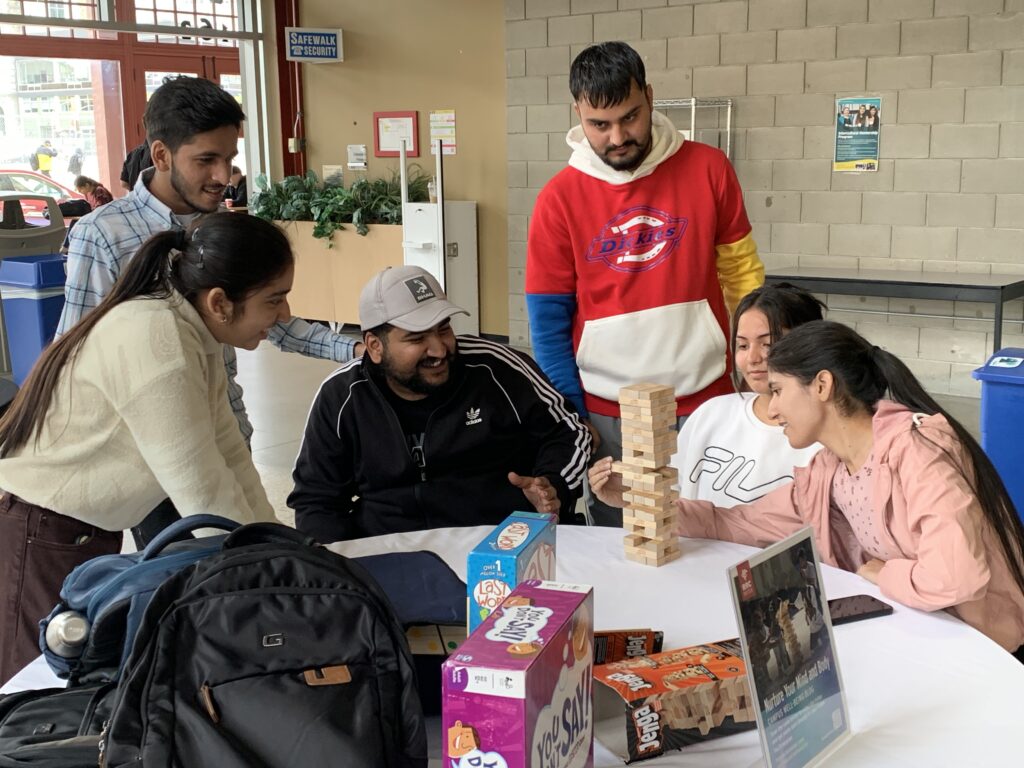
{"x":648,"y":441}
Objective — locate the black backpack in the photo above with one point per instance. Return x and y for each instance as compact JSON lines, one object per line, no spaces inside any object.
{"x":274,"y":652}
{"x":54,"y":727}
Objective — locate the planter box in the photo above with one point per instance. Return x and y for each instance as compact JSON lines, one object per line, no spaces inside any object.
{"x":328,"y":280}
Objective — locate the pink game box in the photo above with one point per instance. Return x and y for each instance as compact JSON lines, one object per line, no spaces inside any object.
{"x":519,"y":692}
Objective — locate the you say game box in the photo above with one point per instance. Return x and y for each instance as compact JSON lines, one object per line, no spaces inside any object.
{"x":519,"y":691}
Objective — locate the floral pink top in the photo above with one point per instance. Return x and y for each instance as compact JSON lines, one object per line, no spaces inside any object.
{"x":851,"y":496}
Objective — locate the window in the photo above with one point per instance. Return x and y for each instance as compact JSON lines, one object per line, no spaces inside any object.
{"x":199,"y":15}
{"x":52,"y":9}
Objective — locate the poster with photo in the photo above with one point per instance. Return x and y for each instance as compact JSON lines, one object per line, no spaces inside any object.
{"x":858,"y":123}
{"x":787,"y":640}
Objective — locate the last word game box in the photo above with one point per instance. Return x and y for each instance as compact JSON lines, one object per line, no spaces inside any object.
{"x":521,"y":548}
{"x":518,"y":693}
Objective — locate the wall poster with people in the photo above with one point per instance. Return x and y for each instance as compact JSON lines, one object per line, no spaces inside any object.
{"x":787,"y":639}
{"x":858,"y":124}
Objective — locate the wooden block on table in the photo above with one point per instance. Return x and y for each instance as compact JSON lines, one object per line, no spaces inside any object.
{"x":648,"y":546}
{"x":660,"y":560}
{"x":655,"y":562}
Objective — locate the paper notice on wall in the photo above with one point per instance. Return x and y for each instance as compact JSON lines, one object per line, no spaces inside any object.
{"x":442,"y":126}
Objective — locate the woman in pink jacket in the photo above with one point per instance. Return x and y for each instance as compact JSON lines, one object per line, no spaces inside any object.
{"x":901,"y":493}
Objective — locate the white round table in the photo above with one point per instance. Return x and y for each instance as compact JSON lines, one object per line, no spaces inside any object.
{"x":923,"y":689}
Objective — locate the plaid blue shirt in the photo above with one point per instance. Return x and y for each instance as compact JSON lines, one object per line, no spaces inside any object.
{"x":101,"y":244}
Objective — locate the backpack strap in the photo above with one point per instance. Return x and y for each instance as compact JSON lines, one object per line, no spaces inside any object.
{"x":267,"y":533}
{"x":185,"y":525}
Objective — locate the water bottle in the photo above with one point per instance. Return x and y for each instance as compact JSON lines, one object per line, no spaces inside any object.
{"x":66,"y":634}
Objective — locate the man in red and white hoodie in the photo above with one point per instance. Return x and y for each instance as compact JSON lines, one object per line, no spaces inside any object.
{"x":637,"y":252}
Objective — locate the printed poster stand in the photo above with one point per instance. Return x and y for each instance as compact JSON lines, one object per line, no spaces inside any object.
{"x":787,"y":640}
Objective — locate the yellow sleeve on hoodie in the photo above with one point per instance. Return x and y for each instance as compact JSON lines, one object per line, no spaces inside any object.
{"x":739,"y":269}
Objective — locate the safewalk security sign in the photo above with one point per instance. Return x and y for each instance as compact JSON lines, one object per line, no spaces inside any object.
{"x":314,"y":45}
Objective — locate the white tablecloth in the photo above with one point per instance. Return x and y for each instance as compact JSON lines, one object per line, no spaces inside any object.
{"x":922,"y":689}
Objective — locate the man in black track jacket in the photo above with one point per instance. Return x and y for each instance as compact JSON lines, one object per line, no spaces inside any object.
{"x":430,"y":430}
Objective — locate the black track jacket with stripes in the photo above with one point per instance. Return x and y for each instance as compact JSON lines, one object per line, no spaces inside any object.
{"x":355,"y":475}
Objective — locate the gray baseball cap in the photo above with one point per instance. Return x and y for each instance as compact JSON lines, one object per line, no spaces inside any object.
{"x":407,"y":297}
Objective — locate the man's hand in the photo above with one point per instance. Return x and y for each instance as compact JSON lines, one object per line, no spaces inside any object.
{"x":358,"y":349}
{"x":605,"y":484}
{"x":538,"y":491}
{"x":870,"y":570}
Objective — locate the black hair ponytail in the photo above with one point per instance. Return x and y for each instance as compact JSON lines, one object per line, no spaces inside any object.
{"x":863,"y":374}
{"x":231,"y":251}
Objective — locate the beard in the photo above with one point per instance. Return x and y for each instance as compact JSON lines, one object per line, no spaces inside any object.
{"x":630,"y":161}
{"x":415,"y":381}
{"x":193,"y":200}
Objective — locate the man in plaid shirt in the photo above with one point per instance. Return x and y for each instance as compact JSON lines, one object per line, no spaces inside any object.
{"x":193,"y":127}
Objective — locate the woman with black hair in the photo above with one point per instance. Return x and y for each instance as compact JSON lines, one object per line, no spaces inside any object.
{"x":130,"y":406}
{"x":901,"y":493}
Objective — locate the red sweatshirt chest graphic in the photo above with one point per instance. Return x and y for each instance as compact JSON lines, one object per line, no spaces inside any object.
{"x":637,"y":239}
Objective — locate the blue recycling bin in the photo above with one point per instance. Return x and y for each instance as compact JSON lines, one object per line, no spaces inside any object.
{"x":1002,"y":418}
{"x":32,"y":290}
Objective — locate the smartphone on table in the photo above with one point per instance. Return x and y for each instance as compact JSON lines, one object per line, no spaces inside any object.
{"x":855,"y":608}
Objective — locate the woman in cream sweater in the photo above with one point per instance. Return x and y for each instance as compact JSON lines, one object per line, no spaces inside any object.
{"x":130,"y":407}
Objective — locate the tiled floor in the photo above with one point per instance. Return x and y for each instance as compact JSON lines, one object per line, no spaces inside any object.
{"x":279,"y":388}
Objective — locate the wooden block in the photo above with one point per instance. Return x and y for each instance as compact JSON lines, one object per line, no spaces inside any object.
{"x":642,"y":476}
{"x":652,"y":529}
{"x":630,"y":471}
{"x":654,"y":401}
{"x":657,"y":443}
{"x":646,"y":391}
{"x":655,"y":487}
{"x":657,"y":561}
{"x":647,"y":422}
{"x":649,"y":441}
{"x":647,"y":412}
{"x":667,"y":421}
{"x":651,"y":460}
{"x":661,"y":516}
{"x":648,"y":502}
{"x":649,"y":547}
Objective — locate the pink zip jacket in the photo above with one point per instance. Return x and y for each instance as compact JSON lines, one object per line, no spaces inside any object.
{"x":921,"y":502}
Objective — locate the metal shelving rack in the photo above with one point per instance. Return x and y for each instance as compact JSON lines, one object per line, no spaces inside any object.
{"x":693,"y":104}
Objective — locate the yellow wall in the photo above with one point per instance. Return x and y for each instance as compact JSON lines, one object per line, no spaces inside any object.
{"x":414,"y":55}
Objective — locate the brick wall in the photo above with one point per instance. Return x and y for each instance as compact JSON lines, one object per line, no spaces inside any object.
{"x":949,"y":193}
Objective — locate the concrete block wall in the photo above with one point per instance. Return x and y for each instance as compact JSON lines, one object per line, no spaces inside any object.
{"x":949,"y":193}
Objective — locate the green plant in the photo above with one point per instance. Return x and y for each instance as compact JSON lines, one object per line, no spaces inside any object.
{"x":331,"y":207}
